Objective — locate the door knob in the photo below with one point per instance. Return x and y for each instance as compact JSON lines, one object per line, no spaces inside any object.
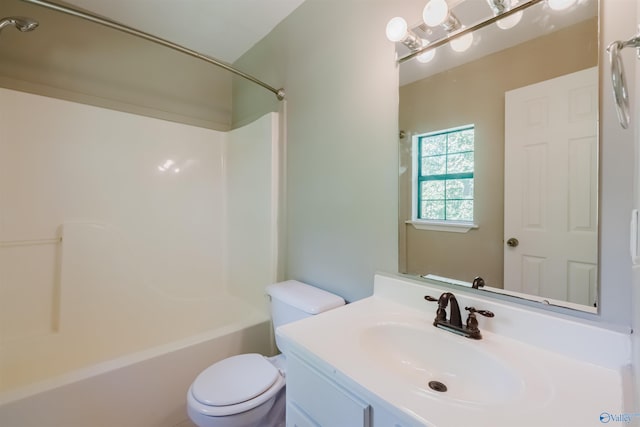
{"x":513,"y":242}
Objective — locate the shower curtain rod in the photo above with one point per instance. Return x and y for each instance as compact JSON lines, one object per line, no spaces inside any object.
{"x":129,"y":30}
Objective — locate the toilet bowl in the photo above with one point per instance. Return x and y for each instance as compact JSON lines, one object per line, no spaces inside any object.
{"x":240,"y":391}
{"x":248,"y":390}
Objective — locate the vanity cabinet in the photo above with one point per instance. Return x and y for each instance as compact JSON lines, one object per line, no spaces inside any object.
{"x":318,"y":397}
{"x":314,"y":399}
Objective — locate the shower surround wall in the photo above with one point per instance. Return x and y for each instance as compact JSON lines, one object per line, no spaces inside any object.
{"x":115,"y":232}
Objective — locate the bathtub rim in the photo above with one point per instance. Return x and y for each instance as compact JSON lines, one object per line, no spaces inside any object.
{"x":104,"y":367}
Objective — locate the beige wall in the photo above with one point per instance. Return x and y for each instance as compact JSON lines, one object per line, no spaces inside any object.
{"x":474,"y":94}
{"x":76,"y":60}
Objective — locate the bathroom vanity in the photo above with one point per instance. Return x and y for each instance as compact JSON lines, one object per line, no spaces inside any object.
{"x":381,"y":362}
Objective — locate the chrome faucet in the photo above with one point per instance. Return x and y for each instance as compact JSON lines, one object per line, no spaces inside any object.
{"x":454,"y":324}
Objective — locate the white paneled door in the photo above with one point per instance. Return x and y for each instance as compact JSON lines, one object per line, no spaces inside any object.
{"x":551,"y":181}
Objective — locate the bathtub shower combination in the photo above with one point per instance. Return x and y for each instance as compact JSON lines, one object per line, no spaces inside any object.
{"x":124,"y":239}
{"x":124,"y":246}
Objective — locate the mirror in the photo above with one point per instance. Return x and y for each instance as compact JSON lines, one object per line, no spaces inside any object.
{"x":530,"y":96}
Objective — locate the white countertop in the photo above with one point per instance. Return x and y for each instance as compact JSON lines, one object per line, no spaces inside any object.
{"x":495,"y":381}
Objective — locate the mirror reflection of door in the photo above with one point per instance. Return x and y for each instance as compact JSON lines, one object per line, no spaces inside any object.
{"x":550,"y":228}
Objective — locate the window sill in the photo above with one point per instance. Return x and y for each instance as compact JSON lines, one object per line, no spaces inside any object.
{"x":448,"y":226}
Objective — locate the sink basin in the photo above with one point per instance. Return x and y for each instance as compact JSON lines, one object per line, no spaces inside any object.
{"x":423,"y":354}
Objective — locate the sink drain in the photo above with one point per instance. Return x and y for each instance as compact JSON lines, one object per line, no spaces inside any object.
{"x":437,"y":386}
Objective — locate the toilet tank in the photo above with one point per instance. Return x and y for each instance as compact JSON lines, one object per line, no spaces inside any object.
{"x":293,"y":300}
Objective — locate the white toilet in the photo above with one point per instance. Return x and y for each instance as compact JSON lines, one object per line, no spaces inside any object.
{"x":249,"y":390}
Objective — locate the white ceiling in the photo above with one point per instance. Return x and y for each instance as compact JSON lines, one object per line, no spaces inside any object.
{"x":224,"y":29}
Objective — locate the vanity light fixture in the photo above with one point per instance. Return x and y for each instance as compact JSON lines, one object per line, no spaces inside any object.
{"x":426,"y":56}
{"x":462,"y":43}
{"x":398,"y":31}
{"x":561,"y":4}
{"x":436,"y":13}
{"x":510,"y":22}
{"x":501,"y":6}
{"x":506,"y":14}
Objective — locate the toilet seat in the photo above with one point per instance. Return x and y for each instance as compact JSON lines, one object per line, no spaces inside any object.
{"x":234,"y":385}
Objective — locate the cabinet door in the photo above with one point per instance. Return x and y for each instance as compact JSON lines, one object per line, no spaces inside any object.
{"x":326,"y":403}
{"x":296,"y":418}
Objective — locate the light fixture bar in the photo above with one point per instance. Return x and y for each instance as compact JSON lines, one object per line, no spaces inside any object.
{"x":135,"y":32}
{"x":464,"y":31}
{"x":412,"y":42}
{"x":497,"y":6}
{"x":452,"y":23}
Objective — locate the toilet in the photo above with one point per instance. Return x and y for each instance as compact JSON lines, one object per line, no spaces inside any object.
{"x":248,"y":390}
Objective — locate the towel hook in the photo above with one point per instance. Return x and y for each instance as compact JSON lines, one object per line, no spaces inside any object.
{"x":618,"y":80}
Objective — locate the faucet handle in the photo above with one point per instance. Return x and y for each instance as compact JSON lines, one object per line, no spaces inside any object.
{"x":441,"y":314}
{"x":485,"y":313}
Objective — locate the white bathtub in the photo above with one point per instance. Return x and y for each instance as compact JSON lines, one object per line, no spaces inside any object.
{"x":134,"y":252}
{"x":143,"y":389}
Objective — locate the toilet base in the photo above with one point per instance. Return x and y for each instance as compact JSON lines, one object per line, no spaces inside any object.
{"x":269,"y":414}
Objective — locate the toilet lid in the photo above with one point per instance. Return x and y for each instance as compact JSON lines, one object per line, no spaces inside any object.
{"x":234,"y":380}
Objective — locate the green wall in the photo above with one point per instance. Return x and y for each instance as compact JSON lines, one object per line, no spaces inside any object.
{"x":339,"y":73}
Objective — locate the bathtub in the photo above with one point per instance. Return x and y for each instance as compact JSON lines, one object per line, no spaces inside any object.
{"x":121,"y":349}
{"x":130,"y":259}
{"x":142,"y":389}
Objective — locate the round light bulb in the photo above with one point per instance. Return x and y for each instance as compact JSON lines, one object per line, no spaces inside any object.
{"x":462,"y":43}
{"x":560,"y":4}
{"x":397,"y":29}
{"x":435,"y":12}
{"x":509,"y":21}
{"x":426,"y":56}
